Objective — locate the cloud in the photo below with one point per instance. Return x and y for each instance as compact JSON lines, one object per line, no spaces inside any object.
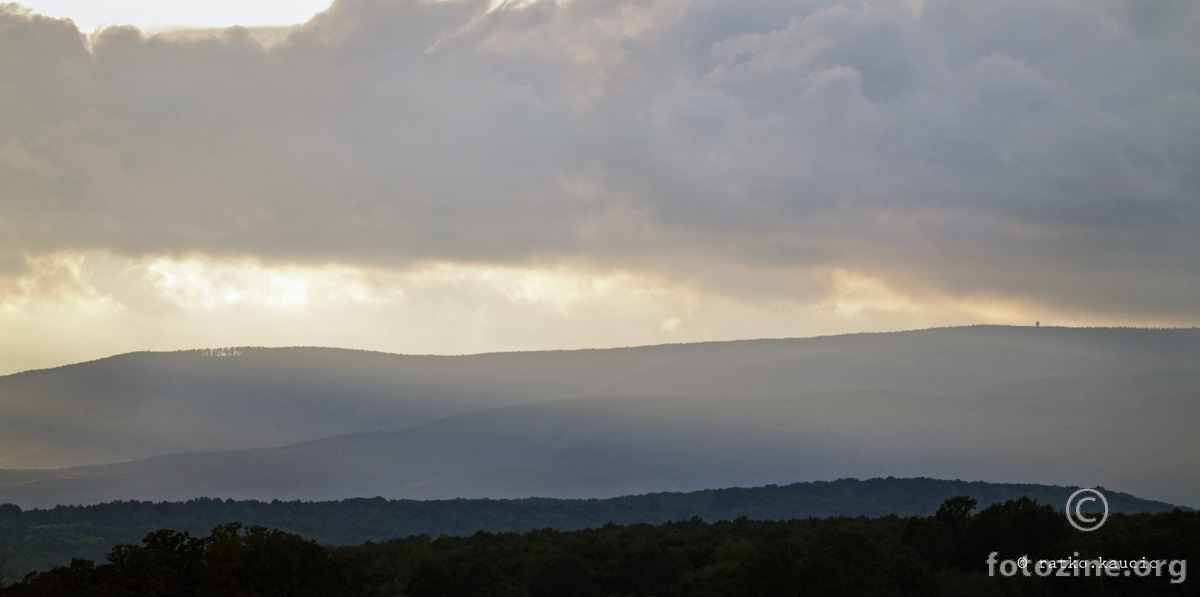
{"x":1040,"y":152}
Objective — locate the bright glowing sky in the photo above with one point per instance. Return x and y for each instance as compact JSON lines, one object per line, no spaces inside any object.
{"x":153,"y":14}
{"x":457,"y":176}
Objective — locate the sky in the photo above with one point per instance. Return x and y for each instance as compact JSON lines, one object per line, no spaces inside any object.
{"x":157,"y":15}
{"x":462,"y":176}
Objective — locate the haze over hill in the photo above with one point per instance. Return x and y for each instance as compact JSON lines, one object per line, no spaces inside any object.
{"x":1112,"y":407}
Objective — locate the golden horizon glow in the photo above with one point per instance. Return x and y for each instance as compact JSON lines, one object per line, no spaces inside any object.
{"x":71,"y":306}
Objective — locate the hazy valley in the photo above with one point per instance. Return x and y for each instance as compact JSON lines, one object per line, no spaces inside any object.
{"x":1112,"y":407}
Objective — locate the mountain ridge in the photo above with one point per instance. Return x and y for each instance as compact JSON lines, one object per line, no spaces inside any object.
{"x":986,"y":402}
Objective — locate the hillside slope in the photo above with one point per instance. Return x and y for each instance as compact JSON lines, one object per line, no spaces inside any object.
{"x":150,"y":404}
{"x":1084,"y":407}
{"x":604,"y":447}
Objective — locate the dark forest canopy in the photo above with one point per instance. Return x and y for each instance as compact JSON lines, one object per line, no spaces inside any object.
{"x":943,"y":554}
{"x":40,"y":539}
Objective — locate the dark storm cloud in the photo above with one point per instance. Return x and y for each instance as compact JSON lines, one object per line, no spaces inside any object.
{"x":1028,"y":149}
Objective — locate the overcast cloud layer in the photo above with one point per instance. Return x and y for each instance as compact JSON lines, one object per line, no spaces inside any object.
{"x":1044,"y":151}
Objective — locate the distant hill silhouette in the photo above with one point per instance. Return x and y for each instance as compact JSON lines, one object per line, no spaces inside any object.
{"x":1114,"y":407}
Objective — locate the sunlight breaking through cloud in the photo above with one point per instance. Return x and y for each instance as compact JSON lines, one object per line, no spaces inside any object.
{"x":94,"y":304}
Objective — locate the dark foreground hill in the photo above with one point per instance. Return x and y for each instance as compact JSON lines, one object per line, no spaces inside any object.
{"x":954,"y":552}
{"x":1113,"y":407}
{"x":39,"y":539}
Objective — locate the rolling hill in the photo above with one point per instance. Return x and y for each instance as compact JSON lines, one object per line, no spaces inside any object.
{"x":1045,"y":405}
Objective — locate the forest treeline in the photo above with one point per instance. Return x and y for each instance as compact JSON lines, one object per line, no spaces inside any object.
{"x":41,"y":539}
{"x":942,"y":554}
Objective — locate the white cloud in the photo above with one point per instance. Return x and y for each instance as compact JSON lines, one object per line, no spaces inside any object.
{"x":89,"y":15}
